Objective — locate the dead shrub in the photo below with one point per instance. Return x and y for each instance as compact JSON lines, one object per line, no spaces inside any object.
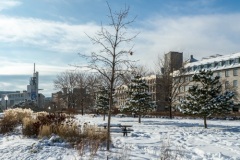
{"x":13,"y":117}
{"x":94,"y":133}
{"x":92,"y":139}
{"x":30,"y":126}
{"x":94,"y":146}
{"x":85,"y":138}
{"x":81,"y":147}
{"x":170,"y":152}
{"x":18,"y":114}
{"x":45,"y":131}
{"x":70,"y":132}
{"x":51,"y":118}
{"x":8,"y":123}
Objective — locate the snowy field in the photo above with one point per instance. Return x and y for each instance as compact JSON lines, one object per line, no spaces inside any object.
{"x":187,"y":137}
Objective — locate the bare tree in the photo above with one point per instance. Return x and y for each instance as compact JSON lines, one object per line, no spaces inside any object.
{"x":135,"y":69}
{"x":77,"y":89}
{"x":66,"y":82}
{"x":172,"y":83}
{"x":111,"y":61}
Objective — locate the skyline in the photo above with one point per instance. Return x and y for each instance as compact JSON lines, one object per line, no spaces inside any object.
{"x":50,"y":33}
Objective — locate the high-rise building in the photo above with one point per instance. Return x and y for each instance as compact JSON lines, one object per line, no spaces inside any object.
{"x":173,"y":61}
{"x":32,"y":88}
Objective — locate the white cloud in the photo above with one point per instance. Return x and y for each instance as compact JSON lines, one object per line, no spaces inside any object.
{"x":50,"y":35}
{"x":6,"y":4}
{"x":201,"y":35}
{"x":20,"y":68}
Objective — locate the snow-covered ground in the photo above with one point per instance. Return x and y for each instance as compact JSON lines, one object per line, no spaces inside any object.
{"x":186,"y":136}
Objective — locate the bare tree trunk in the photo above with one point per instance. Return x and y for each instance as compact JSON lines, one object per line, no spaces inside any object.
{"x":111,"y":100}
{"x":170,"y":111}
{"x":82,"y":106}
{"x":205,"y":122}
{"x":139,"y":118}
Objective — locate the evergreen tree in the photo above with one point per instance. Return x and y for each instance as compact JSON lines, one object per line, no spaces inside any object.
{"x":206,"y":98}
{"x":102,"y":101}
{"x":139,"y":101}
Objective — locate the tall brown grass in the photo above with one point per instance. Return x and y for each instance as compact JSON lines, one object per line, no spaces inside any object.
{"x":85,"y":138}
{"x":30,"y":127}
{"x":12,"y":118}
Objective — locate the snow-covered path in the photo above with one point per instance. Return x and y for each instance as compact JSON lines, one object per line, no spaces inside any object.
{"x":220,"y":141}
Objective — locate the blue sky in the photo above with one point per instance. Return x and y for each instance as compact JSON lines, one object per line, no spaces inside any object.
{"x":50,"y":33}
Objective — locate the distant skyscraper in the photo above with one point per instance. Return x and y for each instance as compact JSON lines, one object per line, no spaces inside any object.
{"x":32,"y":88}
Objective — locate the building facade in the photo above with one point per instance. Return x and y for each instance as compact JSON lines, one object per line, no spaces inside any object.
{"x":227,"y":67}
{"x":153,"y":84}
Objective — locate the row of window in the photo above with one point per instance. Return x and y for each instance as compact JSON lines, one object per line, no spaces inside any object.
{"x":234,"y":84}
{"x":227,"y":85}
{"x":227,"y":72}
{"x":218,"y":73}
{"x":15,"y":95}
{"x":213,"y":65}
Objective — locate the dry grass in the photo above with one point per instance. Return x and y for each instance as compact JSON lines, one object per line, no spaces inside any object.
{"x":85,"y":138}
{"x":18,"y":113}
{"x":13,"y":117}
{"x":70,"y":132}
{"x":170,"y":152}
{"x":45,"y":131}
{"x":94,"y":138}
{"x":7,"y":124}
{"x":30,"y":127}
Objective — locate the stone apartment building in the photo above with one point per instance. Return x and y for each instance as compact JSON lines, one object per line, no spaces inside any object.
{"x":225,"y":66}
{"x":172,"y":61}
{"x":153,"y":83}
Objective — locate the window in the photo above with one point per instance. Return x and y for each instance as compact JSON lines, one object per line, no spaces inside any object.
{"x":212,"y":65}
{"x":223,"y":62}
{"x":190,"y":78}
{"x":226,"y":85}
{"x":181,"y":89}
{"x":194,"y":68}
{"x":199,"y":67}
{"x":219,"y":74}
{"x":235,"y":83}
{"x":227,"y":73}
{"x":235,"y":71}
{"x":186,"y":79}
{"x":228,"y":62}
{"x":181,"y":79}
{"x":236,"y":60}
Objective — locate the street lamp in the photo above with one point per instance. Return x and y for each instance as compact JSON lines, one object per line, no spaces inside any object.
{"x":6,"y":99}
